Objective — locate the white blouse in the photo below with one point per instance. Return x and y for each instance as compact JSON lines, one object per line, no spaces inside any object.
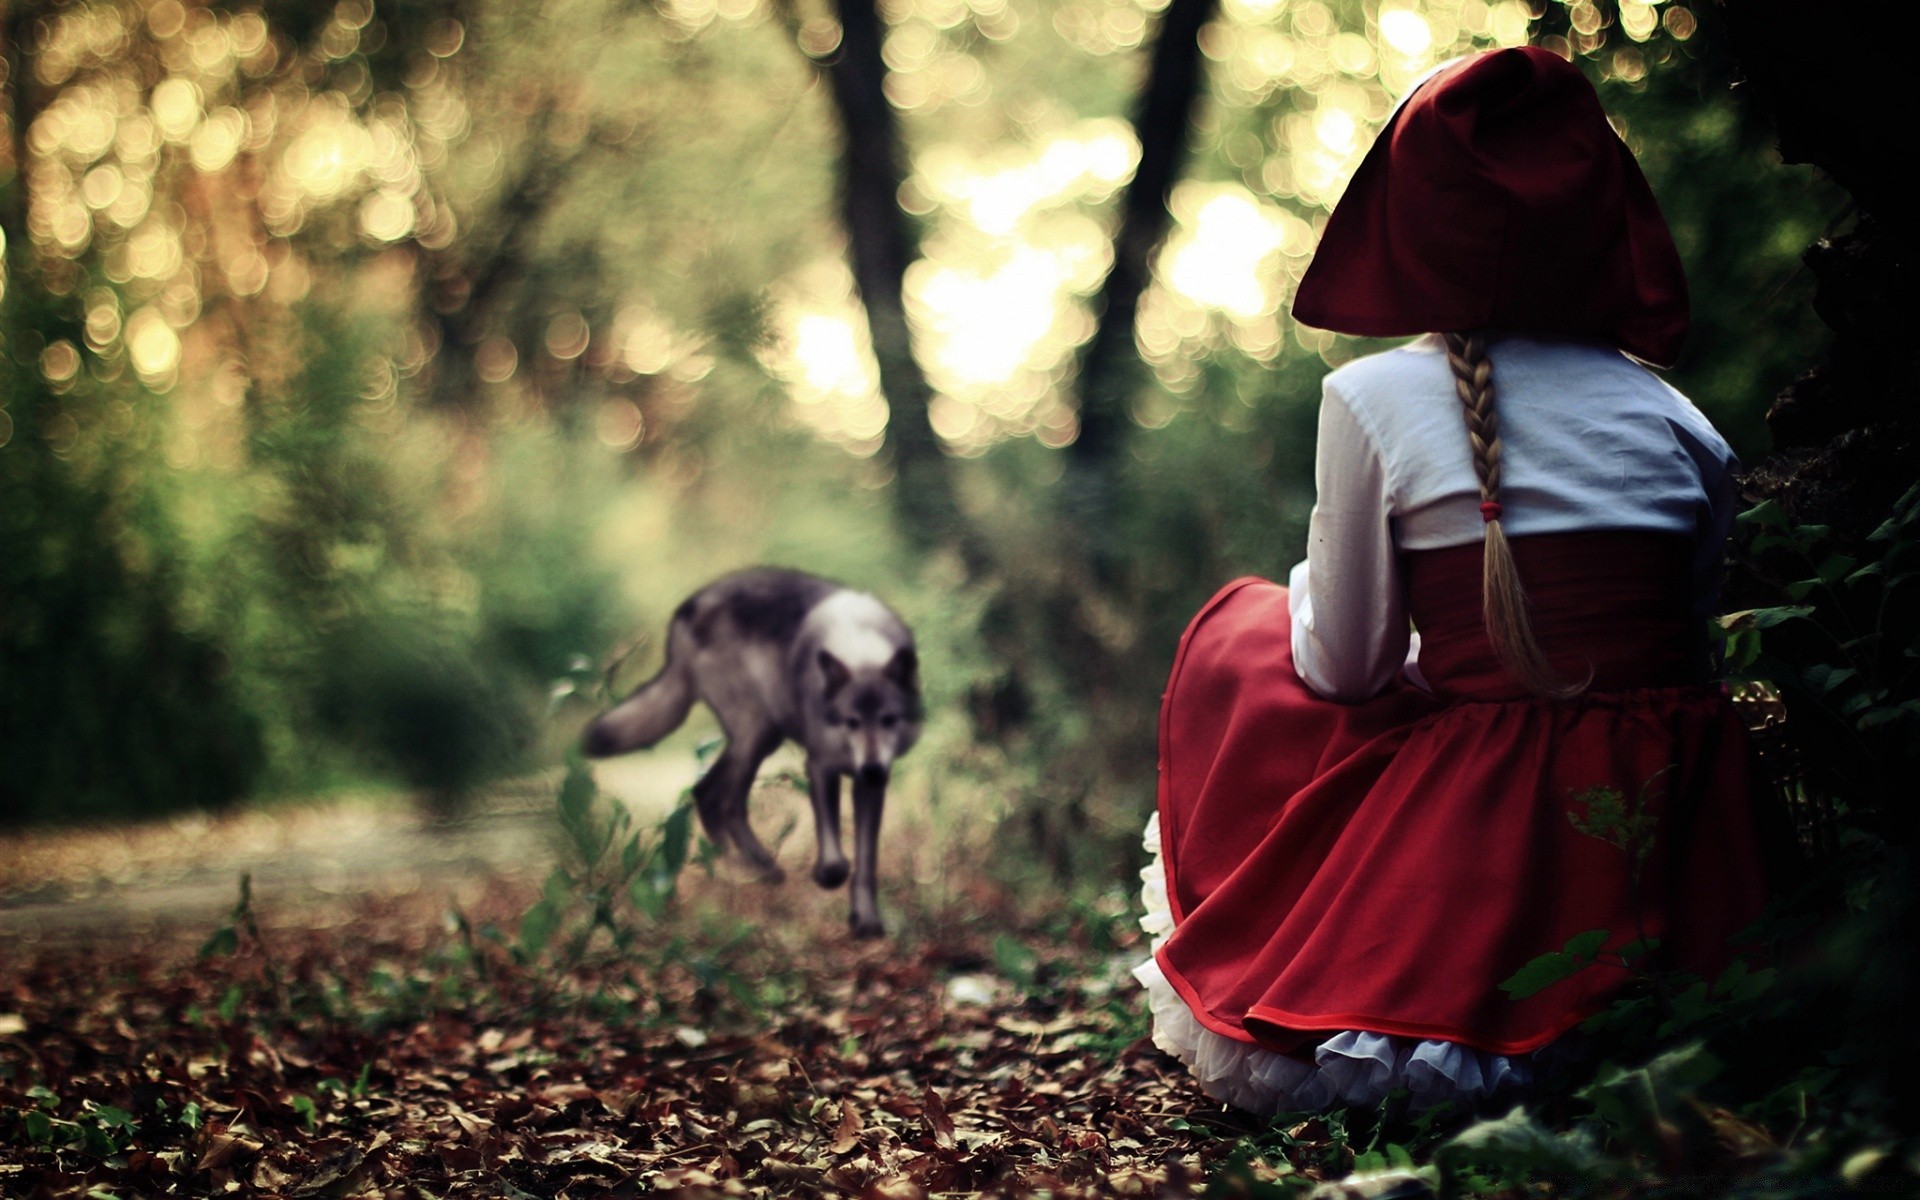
{"x":1591,"y":440}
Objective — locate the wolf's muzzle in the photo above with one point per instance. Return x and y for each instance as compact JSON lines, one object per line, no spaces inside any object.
{"x":873,"y":775}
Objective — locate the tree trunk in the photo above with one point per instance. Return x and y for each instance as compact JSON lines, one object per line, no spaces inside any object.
{"x":21,"y":111}
{"x":881,"y":246}
{"x":1162,"y":121}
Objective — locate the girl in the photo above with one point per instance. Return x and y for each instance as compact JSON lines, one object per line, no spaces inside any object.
{"x":1363,"y":831}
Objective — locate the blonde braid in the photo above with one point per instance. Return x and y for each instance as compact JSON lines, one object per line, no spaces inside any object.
{"x":1504,"y":604}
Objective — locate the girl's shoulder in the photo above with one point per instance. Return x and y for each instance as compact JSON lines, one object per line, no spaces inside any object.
{"x":1540,"y":373}
{"x":1558,"y":397}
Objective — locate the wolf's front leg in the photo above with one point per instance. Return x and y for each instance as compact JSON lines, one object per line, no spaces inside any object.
{"x":830,"y":869}
{"x":869,"y":799}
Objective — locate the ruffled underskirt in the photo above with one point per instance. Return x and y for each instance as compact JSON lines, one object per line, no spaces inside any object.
{"x":1352,"y":1068}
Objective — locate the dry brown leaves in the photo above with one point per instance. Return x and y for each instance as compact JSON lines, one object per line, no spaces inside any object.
{"x":383,"y":1069}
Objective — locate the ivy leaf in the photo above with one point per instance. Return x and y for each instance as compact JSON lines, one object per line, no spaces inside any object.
{"x":1541,"y":974}
{"x":1639,"y":948}
{"x":1765,"y":515}
{"x":111,"y":1117}
{"x":1766,"y":618}
{"x":1836,"y":567}
{"x":1518,"y":1145}
{"x":1587,"y":945}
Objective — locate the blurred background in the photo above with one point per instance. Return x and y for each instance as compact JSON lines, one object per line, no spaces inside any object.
{"x":368,"y":367}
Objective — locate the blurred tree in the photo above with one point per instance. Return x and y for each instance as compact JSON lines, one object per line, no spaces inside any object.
{"x":1163,"y":116}
{"x":1847,"y":433}
{"x":881,"y":243}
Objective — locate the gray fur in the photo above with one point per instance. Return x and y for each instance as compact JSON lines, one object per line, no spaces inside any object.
{"x":779,"y":656}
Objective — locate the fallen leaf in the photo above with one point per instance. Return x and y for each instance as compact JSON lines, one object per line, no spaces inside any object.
{"x":226,"y":1147}
{"x":939,"y":1124}
{"x":846,"y":1135}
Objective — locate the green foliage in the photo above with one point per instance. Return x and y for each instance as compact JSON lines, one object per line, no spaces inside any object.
{"x":1768,"y":1080}
{"x":1842,"y":654}
{"x":111,"y":694}
{"x":613,"y":880}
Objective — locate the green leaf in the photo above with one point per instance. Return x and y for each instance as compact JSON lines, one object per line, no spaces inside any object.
{"x":1767,"y":618}
{"x":537,"y":927}
{"x":39,"y":1126}
{"x":304,"y":1109}
{"x":647,"y":898}
{"x":1802,"y":589}
{"x":1587,"y":945}
{"x":230,"y":1003}
{"x":1690,"y":1007}
{"x":1685,"y":1068}
{"x":575,"y":804}
{"x":1541,"y":974}
{"x":1743,"y":648}
{"x":577,"y":791}
{"x":223,"y":941}
{"x":111,"y":1117}
{"x":1836,"y":567}
{"x":676,"y":838}
{"x":1888,"y":715}
{"x":1826,"y":678}
{"x":1517,"y":1146}
{"x":1639,"y":948}
{"x":1015,"y":959}
{"x":1765,"y":515}
{"x":1754,"y":986}
{"x":706,"y":750}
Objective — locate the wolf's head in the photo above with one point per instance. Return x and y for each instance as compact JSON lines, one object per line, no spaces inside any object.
{"x":866,"y":714}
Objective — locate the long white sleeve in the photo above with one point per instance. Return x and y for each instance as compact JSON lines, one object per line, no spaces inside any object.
{"x":1347,"y":600}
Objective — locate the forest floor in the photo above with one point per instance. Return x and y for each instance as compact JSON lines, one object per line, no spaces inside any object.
{"x":362,"y":1025}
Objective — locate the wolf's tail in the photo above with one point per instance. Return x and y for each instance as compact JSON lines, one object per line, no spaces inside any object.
{"x":655,"y":709}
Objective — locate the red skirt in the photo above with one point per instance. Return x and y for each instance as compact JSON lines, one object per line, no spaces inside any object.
{"x":1383,"y":866}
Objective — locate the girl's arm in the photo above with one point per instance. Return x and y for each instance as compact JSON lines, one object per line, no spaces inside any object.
{"x":1348,"y":600}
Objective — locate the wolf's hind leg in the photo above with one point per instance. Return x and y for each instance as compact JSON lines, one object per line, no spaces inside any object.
{"x":710,"y":797}
{"x":830,"y":868}
{"x":869,"y":801}
{"x":724,"y":799}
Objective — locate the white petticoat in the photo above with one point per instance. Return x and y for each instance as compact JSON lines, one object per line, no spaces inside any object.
{"x":1349,"y":1068}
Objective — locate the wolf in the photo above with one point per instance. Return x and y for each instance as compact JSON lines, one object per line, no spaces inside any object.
{"x":781,"y":655}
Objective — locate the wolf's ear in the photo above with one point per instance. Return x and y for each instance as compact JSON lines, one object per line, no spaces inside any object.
{"x":836,"y":672}
{"x":905,"y":668}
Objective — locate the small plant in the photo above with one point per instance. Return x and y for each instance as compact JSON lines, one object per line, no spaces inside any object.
{"x":240,"y":932}
{"x":1605,"y":814}
{"x":612,"y":873}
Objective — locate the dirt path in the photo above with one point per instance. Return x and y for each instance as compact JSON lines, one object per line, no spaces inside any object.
{"x":184,"y":870}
